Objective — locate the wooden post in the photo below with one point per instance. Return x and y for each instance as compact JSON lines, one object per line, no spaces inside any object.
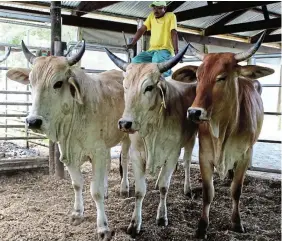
{"x":279,"y":109}
{"x":56,"y":49}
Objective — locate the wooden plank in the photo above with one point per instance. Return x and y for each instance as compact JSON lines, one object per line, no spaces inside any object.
{"x":243,"y":27}
{"x":99,"y":24}
{"x":219,"y":8}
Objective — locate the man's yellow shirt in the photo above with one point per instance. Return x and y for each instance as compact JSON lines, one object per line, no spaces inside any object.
{"x":161,"y":31}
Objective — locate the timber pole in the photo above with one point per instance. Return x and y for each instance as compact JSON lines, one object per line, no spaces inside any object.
{"x":56,"y":50}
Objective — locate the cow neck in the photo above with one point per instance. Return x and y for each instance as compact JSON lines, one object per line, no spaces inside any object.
{"x":161,"y":141}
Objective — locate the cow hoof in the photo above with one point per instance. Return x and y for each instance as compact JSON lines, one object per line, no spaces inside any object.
{"x":124,"y":194}
{"x":132,"y":230}
{"x":162,"y":222}
{"x":238,"y":228}
{"x":201,"y":235}
{"x":76,"y":220}
{"x":106,"y":235}
{"x":189,"y":194}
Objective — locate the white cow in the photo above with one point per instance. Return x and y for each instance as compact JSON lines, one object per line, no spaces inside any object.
{"x":80,"y":113}
{"x":156,"y":109}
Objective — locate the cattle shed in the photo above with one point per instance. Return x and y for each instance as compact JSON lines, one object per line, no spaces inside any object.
{"x":35,"y":206}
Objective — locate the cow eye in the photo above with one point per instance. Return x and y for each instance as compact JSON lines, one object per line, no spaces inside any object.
{"x":149,"y":88}
{"x":221,"y":79}
{"x":58,"y":85}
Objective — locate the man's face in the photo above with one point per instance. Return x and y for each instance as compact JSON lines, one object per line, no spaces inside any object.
{"x":159,"y":11}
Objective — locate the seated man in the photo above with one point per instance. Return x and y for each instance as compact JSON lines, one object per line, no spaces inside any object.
{"x":164,"y":39}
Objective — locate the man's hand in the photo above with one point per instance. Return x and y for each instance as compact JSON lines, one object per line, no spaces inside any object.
{"x":176,"y":51}
{"x":129,"y":46}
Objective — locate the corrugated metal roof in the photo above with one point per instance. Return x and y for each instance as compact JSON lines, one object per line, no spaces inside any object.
{"x":71,"y":4}
{"x":275,"y":7}
{"x":190,"y":5}
{"x":249,"y":16}
{"x":203,"y":22}
{"x":138,"y":9}
{"x":248,"y":33}
{"x":278,"y":31}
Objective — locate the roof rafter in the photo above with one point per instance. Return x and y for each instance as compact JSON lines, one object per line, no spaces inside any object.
{"x":225,"y":20}
{"x":219,"y":8}
{"x":89,"y":6}
{"x":174,"y":5}
{"x":244,"y":27}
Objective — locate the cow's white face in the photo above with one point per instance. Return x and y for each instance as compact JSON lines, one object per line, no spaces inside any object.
{"x":143,"y":97}
{"x":54,"y":89}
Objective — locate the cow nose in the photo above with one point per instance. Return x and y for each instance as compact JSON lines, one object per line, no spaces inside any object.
{"x":33,"y":123}
{"x":194,"y":114}
{"x":125,"y":124}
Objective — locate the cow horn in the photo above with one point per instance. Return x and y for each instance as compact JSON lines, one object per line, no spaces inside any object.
{"x":29,"y":56}
{"x":118,"y":62}
{"x":75,"y":58}
{"x":6,"y":55}
{"x":163,"y":67}
{"x":71,"y":48}
{"x":245,"y":55}
{"x":196,"y":52}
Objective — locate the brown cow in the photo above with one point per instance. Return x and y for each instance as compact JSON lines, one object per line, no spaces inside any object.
{"x":229,"y":110}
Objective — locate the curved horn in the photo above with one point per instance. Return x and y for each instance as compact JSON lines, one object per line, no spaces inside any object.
{"x":163,"y":67}
{"x":29,"y":56}
{"x":6,"y":56}
{"x":74,"y":59}
{"x":245,"y":55}
{"x":118,"y":62}
{"x":71,"y":48}
{"x":196,"y":52}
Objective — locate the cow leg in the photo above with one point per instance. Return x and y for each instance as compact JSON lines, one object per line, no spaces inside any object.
{"x":140,"y":190}
{"x":236,"y":190}
{"x":208,"y":194}
{"x":164,"y":181}
{"x":77,"y":183}
{"x":99,"y":165}
{"x":124,"y":186}
{"x":108,"y":169}
{"x":188,"y":148}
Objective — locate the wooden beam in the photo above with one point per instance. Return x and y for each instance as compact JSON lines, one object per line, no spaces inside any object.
{"x":225,"y":20}
{"x":219,"y":8}
{"x":88,"y":6}
{"x":98,"y":24}
{"x":174,"y":5}
{"x":270,"y":38}
{"x":244,"y":27}
{"x":265,"y":12}
{"x":255,"y":38}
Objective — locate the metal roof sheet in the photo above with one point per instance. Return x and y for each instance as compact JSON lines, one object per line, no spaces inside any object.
{"x":138,"y":9}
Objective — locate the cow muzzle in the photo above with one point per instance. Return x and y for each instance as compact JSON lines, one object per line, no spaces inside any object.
{"x":126,"y":126}
{"x":197,"y":114}
{"x":33,"y":123}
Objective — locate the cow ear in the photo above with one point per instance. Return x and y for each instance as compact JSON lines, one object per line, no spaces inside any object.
{"x":20,"y":75}
{"x":75,"y":90}
{"x":161,"y":86}
{"x":186,"y":74}
{"x":254,"y":71}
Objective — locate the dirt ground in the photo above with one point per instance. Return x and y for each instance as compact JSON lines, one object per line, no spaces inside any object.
{"x":35,"y":206}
